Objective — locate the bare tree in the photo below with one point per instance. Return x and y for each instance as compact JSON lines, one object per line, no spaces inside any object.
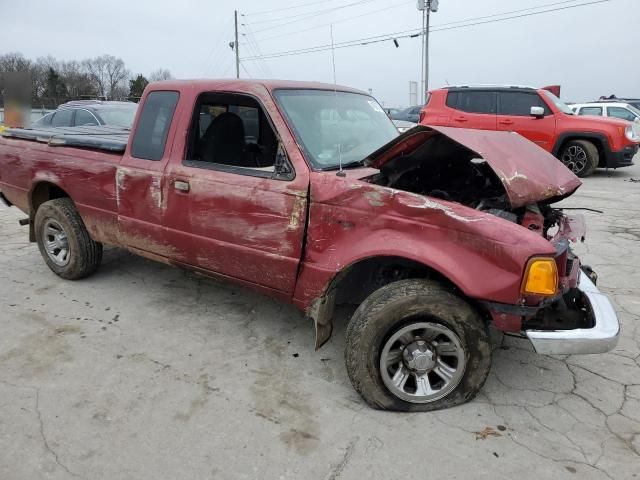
{"x":97,"y":70}
{"x":14,"y":62}
{"x":108,"y":74}
{"x":160,"y":74}
{"x":118,"y":77}
{"x":77,"y":79}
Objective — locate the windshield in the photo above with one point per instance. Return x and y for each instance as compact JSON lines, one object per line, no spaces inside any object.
{"x":563,"y":107}
{"x":119,"y":116}
{"x":634,"y":110}
{"x":335,"y":126}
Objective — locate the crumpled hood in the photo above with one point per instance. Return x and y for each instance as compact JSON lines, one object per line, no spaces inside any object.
{"x":529,"y":173}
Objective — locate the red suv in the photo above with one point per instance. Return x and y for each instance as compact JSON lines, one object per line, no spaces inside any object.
{"x":582,"y":143}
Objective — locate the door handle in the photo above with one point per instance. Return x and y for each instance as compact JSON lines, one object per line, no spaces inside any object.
{"x":506,"y":122}
{"x":460,"y":119}
{"x":181,"y":185}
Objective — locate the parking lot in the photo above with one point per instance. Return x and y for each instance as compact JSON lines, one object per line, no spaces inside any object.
{"x":145,"y":371}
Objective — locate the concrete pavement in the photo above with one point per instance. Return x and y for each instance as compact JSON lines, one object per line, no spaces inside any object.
{"x":147,"y":372}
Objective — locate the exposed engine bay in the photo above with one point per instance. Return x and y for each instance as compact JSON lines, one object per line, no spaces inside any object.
{"x":444,"y":169}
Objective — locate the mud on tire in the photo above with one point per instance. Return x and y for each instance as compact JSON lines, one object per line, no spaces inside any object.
{"x":397,"y":308}
{"x":64,"y":241}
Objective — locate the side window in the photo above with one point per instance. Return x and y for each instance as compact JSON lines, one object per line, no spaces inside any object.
{"x":84,"y":117}
{"x":623,"y":113}
{"x":591,"y":111}
{"x":452,"y":100}
{"x":151,"y":133}
{"x":479,"y":101}
{"x":231,"y":133}
{"x":251,"y":120}
{"x":520,"y":103}
{"x":62,"y":118}
{"x":44,"y":121}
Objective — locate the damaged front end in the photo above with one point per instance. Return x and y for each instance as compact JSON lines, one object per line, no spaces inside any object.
{"x":505,"y":175}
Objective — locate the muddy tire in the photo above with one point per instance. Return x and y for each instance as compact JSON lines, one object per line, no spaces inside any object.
{"x":64,"y":242}
{"x":413,"y":345}
{"x":581,"y":157}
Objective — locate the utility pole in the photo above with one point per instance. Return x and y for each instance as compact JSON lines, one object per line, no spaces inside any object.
{"x":422,"y":56}
{"x":426,"y":54}
{"x":426,"y":7}
{"x":236,"y":45}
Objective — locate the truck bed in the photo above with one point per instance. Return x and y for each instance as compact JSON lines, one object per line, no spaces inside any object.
{"x":111,"y":139}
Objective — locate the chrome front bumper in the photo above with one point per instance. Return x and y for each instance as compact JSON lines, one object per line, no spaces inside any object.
{"x":602,"y":337}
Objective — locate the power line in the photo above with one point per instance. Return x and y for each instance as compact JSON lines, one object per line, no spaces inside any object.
{"x":519,"y":16}
{"x":262,"y":64}
{"x":350,"y":43}
{"x":412,"y":1}
{"x":397,"y":35}
{"x":313,"y":14}
{"x":245,"y":70}
{"x":286,"y":8}
{"x":394,"y":5}
{"x":215,"y":52}
{"x":509,"y":13}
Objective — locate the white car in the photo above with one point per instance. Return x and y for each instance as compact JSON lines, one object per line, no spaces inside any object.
{"x":403,"y":125}
{"x":608,"y":109}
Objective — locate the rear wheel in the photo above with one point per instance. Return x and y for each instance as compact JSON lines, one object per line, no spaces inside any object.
{"x":415,"y":346}
{"x":64,"y":241}
{"x":580,"y":156}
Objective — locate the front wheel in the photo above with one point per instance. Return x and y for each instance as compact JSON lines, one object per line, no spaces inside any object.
{"x":581,"y":157}
{"x":415,"y":346}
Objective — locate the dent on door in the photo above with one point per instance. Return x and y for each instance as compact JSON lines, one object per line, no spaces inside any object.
{"x":141,"y":203}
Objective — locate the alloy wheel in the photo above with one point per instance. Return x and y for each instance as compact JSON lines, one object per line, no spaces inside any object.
{"x":575,"y":159}
{"x":422,"y":362}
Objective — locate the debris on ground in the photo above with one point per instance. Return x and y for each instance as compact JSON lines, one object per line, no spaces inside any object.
{"x":487,"y":432}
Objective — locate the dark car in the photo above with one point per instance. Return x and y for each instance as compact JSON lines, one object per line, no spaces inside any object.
{"x":411,"y":114}
{"x":90,"y":113}
{"x":391,"y":111}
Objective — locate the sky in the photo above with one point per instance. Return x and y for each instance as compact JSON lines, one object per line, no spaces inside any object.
{"x":591,"y":50}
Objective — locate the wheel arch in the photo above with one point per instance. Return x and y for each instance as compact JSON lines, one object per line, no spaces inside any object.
{"x":598,"y":139}
{"x":42,"y":191}
{"x":356,"y":281}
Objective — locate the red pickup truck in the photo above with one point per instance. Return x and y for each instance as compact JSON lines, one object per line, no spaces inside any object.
{"x":582,"y":143}
{"x":306,"y":192}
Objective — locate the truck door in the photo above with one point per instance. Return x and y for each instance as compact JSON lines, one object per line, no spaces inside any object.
{"x":140,"y":184}
{"x":235,"y":206}
{"x":514,"y":115}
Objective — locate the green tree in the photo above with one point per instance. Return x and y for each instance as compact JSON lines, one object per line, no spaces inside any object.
{"x":55,"y":87}
{"x":137,"y":86}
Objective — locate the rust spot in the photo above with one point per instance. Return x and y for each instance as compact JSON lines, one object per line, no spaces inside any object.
{"x":297,"y":214}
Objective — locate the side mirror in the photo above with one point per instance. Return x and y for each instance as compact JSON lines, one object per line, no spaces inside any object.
{"x":537,"y":112}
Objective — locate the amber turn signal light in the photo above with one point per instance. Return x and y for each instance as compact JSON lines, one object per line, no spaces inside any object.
{"x":541,"y":277}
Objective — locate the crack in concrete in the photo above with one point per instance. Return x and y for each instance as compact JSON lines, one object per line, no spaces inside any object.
{"x":45,"y":441}
{"x":337,"y":470}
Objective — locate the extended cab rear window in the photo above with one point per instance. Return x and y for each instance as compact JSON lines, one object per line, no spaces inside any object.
{"x":151,"y":133}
